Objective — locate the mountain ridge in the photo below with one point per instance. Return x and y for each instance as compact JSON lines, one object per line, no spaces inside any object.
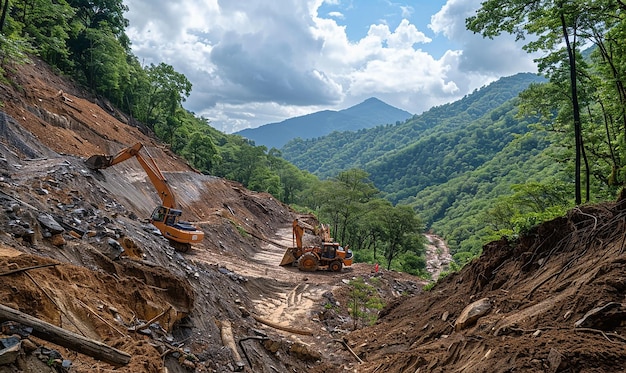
{"x":387,"y":140}
{"x":367,"y":114}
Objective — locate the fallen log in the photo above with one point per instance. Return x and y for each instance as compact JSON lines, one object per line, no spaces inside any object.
{"x":147,"y":323}
{"x":62,"y":337}
{"x":14,"y":271}
{"x":229,"y":341}
{"x":345,"y":344}
{"x":282,"y":327}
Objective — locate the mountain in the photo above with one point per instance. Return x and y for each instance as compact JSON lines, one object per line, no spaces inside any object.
{"x":443,"y":161}
{"x":391,"y":150}
{"x":367,"y":114}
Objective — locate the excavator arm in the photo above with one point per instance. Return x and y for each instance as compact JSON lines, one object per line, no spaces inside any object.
{"x":96,"y":162}
{"x":165,"y":217}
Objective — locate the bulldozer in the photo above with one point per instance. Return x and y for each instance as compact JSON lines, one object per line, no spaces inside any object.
{"x":166,"y":217}
{"x":328,"y":255}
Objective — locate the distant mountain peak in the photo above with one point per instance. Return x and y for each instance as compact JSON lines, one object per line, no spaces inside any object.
{"x":370,"y":113}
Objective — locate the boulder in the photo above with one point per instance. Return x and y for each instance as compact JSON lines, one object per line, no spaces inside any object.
{"x":472,"y":313}
{"x":48,"y":223}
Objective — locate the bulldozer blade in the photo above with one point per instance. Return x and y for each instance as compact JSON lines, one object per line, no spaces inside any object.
{"x":96,"y":162}
{"x":288,"y":258}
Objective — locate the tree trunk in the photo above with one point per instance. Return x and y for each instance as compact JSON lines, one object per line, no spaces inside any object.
{"x":5,"y":7}
{"x":571,"y":53}
{"x":62,"y":337}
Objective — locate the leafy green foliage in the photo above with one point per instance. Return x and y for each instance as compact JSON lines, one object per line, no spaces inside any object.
{"x":364,"y":302}
{"x":360,"y":218}
{"x":14,"y":51}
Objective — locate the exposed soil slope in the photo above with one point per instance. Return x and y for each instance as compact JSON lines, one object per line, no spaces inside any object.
{"x":553,"y":301}
{"x":115,"y":280}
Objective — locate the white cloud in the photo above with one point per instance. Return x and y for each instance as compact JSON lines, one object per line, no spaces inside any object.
{"x":486,"y":57}
{"x":337,"y":15}
{"x":257,"y":62}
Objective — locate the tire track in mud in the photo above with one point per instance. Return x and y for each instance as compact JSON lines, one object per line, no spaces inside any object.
{"x":283,"y":295}
{"x":294,"y":293}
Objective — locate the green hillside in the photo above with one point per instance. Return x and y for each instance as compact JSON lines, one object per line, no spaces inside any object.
{"x":391,"y":153}
{"x":429,"y":149}
{"x":451,"y":164}
{"x":367,"y":114}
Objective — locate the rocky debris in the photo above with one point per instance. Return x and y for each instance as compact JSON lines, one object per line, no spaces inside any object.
{"x":438,"y":257}
{"x":50,"y":226}
{"x":472,"y":313}
{"x":9,"y":349}
{"x":97,"y":236}
{"x":16,"y":348}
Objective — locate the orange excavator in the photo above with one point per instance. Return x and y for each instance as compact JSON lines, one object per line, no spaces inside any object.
{"x":165,"y":217}
{"x":328,"y":256}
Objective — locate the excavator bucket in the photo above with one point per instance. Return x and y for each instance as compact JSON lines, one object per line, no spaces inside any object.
{"x":288,"y":258}
{"x":96,"y":162}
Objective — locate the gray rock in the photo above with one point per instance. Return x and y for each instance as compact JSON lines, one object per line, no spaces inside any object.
{"x":48,"y":223}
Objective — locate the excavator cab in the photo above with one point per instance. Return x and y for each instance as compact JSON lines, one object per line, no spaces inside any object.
{"x":165,"y":215}
{"x":181,"y":234}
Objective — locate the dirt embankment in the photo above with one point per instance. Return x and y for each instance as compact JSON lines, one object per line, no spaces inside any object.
{"x":552,"y":301}
{"x":113,"y":279}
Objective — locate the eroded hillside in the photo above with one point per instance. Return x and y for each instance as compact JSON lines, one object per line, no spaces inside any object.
{"x":552,"y":301}
{"x":77,"y":252}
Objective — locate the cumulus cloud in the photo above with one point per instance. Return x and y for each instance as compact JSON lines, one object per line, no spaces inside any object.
{"x":258,"y":62}
{"x":500,"y":57}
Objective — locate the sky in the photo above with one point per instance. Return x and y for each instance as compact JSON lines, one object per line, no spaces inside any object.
{"x":256,"y":62}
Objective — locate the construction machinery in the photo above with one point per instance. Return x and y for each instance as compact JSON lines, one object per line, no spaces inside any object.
{"x":328,"y":255}
{"x":165,"y":217}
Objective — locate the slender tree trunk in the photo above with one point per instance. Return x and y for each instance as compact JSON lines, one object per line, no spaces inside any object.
{"x":619,"y":85}
{"x":3,"y":18}
{"x":587,"y":171}
{"x":571,"y":53}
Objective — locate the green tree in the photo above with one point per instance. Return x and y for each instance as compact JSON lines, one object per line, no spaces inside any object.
{"x":47,"y":24}
{"x":168,"y":89}
{"x":554,"y":23}
{"x":349,"y":193}
{"x":93,"y":13}
{"x":364,"y":302}
{"x":201,"y":152}
{"x":402,"y":232}
{"x":104,"y":64}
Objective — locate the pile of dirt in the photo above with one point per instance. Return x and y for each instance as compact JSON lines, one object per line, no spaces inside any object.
{"x":552,"y":301}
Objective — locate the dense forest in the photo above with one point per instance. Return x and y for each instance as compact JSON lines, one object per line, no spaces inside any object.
{"x":495,"y":163}
{"x":512,"y":154}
